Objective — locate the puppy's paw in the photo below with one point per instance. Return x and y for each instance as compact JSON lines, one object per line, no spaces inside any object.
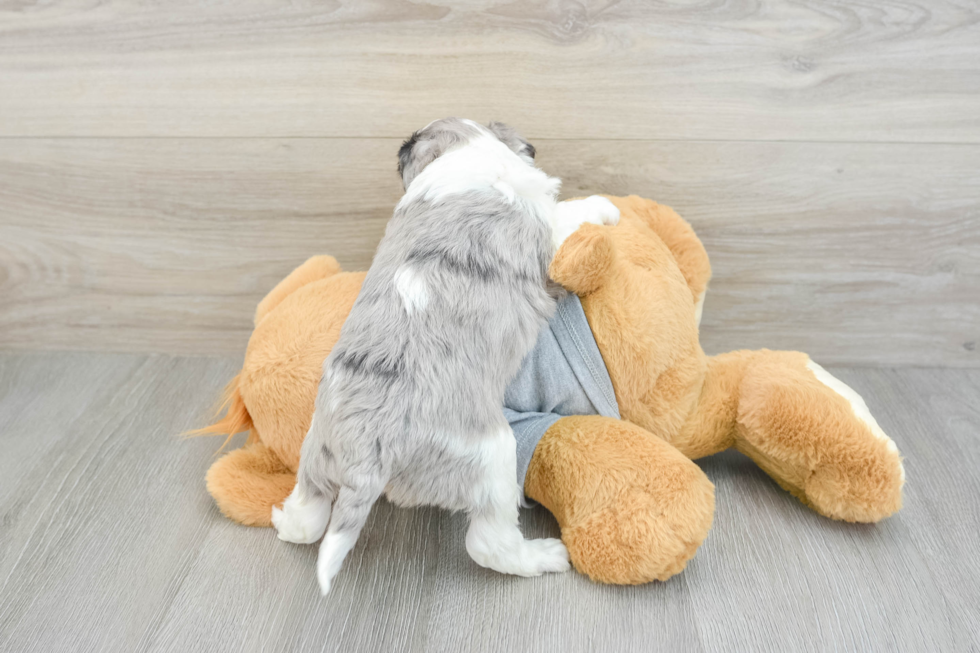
{"x":509,"y":553}
{"x":301,"y":522}
{"x":572,"y":214}
{"x":544,"y":556}
{"x":289,"y":528}
{"x":603,"y":211}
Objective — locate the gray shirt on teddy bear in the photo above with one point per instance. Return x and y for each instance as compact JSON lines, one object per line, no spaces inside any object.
{"x":563,"y":375}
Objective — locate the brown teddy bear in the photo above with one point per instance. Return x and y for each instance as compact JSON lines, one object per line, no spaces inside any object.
{"x":631,"y":505}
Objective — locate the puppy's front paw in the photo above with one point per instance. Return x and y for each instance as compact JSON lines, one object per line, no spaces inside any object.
{"x":572,"y":214}
{"x":603,"y":211}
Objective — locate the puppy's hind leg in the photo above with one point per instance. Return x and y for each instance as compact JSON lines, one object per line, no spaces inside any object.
{"x":494,"y":539}
{"x":306,"y":511}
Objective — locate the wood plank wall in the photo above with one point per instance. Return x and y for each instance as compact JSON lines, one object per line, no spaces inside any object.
{"x":162,"y":165}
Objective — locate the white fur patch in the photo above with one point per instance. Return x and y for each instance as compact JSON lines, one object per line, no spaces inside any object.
{"x":485,"y":162}
{"x":412,"y":288}
{"x":498,"y":544}
{"x":493,"y":539}
{"x":498,"y":455}
{"x":857,"y":405}
{"x":333,"y":550}
{"x":699,"y":308}
{"x":572,"y":214}
{"x":302,"y":519}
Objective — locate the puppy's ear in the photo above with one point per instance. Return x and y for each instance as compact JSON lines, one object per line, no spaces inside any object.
{"x":584,"y":261}
{"x":509,"y":137}
{"x":405,"y":157}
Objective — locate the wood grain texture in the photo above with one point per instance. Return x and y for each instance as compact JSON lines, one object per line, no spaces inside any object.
{"x":110,"y":543}
{"x":778,"y":70}
{"x":856,"y":253}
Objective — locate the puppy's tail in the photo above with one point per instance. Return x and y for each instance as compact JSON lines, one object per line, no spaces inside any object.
{"x":352,"y":491}
{"x":350,"y":512}
{"x":236,"y":418}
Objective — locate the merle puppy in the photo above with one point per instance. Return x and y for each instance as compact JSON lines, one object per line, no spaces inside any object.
{"x":410,"y":403}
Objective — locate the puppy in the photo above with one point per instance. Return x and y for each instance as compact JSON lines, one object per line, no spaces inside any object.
{"x":410,"y":402}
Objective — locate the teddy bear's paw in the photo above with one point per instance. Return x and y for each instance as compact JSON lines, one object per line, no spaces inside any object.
{"x":301,"y":521}
{"x":860,"y":475}
{"x":642,"y":537}
{"x":815,"y":436}
{"x":865,"y":489}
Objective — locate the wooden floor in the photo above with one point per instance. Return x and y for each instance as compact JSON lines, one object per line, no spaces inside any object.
{"x":110,"y":542}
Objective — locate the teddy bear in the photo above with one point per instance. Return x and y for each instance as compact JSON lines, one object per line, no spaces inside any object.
{"x":631,"y":504}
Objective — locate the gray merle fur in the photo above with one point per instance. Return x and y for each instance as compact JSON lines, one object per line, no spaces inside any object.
{"x":401,"y":389}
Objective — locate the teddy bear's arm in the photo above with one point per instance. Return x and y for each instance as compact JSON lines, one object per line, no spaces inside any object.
{"x":583,"y":261}
{"x":315,"y":267}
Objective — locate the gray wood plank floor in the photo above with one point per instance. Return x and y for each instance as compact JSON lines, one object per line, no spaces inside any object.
{"x":109,"y":542}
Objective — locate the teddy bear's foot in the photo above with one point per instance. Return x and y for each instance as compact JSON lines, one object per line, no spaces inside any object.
{"x":247,"y":482}
{"x":631,"y":541}
{"x":631,"y":508}
{"x":816,"y":437}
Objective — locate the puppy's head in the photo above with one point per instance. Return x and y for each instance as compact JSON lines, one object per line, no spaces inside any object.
{"x":509,"y":137}
{"x":438,"y":137}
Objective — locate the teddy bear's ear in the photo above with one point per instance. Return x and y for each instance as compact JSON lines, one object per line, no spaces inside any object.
{"x":584,"y":259}
{"x":680,"y":239}
{"x":315,"y":268}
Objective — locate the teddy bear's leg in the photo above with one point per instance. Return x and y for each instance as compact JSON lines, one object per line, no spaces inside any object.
{"x":813,"y":434}
{"x":314,"y":268}
{"x":247,"y":482}
{"x":631,"y":507}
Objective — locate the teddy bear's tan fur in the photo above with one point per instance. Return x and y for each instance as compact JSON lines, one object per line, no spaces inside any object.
{"x":631,"y":505}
